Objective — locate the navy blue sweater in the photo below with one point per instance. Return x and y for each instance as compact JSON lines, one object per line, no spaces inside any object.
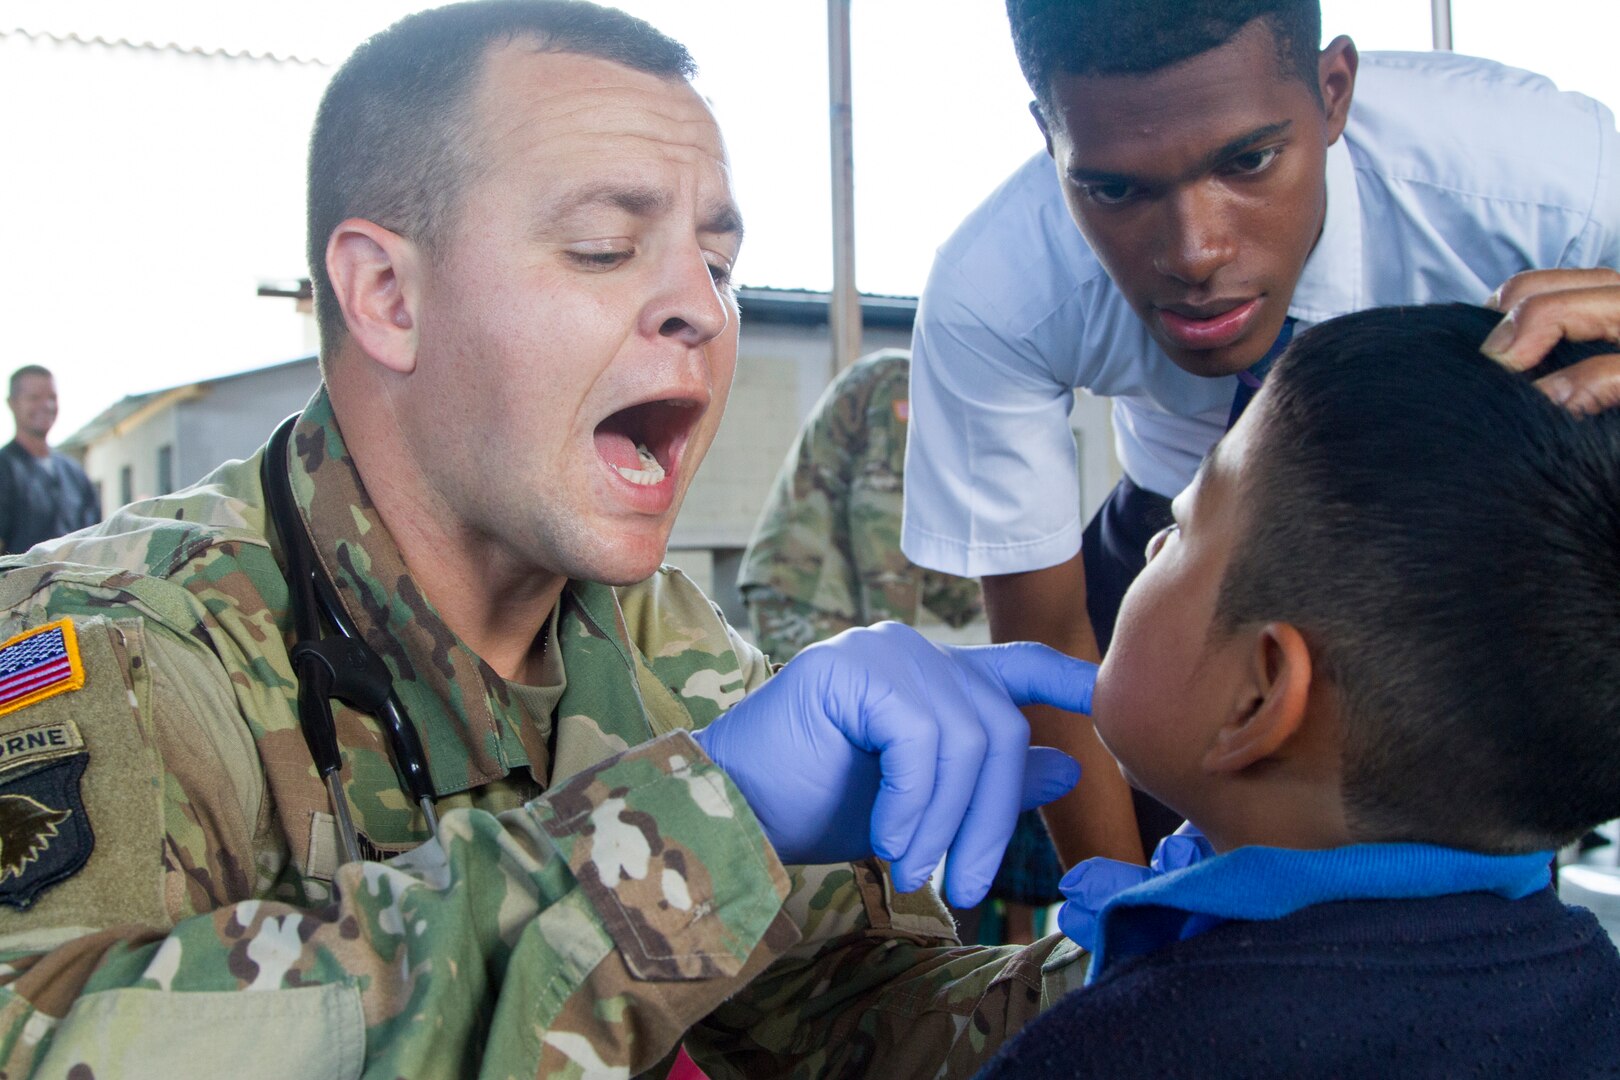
{"x":1453,"y":986}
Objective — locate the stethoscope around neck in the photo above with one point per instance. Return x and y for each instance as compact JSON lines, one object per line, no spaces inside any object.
{"x":342,"y":667}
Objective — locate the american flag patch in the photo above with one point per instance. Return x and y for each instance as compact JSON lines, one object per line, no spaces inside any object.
{"x":39,"y":663}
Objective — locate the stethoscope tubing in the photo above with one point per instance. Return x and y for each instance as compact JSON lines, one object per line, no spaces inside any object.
{"x":344,"y":667}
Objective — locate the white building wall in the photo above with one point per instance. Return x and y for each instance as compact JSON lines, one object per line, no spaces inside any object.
{"x":137,"y":449}
{"x":781,"y":371}
{"x":233,"y":417}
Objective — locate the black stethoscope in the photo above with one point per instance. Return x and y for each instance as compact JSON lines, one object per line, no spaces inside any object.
{"x":342,"y":667}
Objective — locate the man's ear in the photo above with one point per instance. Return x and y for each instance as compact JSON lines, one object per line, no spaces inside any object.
{"x":1040,"y":122}
{"x":1336,"y":79}
{"x":1276,"y":691}
{"x":377,"y":276}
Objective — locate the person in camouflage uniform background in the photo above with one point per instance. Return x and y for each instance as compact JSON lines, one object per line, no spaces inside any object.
{"x":172,"y":900}
{"x":825,"y":554}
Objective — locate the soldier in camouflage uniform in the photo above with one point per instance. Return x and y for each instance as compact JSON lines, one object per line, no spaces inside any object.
{"x":171,"y":898}
{"x":825,"y":555}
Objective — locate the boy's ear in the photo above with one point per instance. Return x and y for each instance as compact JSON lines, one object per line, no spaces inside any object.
{"x":1276,"y":692}
{"x":376,"y":274}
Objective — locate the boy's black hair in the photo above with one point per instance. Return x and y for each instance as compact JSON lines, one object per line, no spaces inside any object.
{"x":1134,"y":37}
{"x":1448,"y":540}
{"x":394,"y":141}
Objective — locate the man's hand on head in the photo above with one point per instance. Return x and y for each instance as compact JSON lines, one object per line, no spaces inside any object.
{"x":1544,"y":307}
{"x":881,"y":742}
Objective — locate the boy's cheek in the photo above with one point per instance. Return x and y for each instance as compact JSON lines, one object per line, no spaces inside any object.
{"x":1106,"y":711}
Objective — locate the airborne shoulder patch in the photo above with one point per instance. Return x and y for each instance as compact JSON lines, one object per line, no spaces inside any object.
{"x":44,"y":832}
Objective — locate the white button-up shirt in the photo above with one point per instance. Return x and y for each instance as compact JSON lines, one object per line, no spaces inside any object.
{"x":1453,"y":175}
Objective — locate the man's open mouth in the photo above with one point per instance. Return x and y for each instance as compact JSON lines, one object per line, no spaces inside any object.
{"x":643,"y":443}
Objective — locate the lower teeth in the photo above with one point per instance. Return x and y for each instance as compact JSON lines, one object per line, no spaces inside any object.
{"x":650,"y":472}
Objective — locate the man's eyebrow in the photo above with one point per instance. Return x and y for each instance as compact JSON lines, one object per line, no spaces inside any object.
{"x":723,"y":218}
{"x":1245,"y":142}
{"x":1232,"y":148}
{"x":637,"y":200}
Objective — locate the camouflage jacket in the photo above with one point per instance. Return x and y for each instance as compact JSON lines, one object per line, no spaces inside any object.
{"x":828,"y":539}
{"x":170,"y":899}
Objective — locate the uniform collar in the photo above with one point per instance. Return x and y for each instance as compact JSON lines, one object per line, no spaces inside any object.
{"x":1262,"y":883}
{"x":474,"y":729}
{"x":1330,"y":284}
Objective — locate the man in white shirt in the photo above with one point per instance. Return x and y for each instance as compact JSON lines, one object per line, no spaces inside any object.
{"x":1230,"y":181}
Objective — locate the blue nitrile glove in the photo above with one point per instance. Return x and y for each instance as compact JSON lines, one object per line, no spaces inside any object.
{"x":879,"y":741}
{"x":1090,"y":885}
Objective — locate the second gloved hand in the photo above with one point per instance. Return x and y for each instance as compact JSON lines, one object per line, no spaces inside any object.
{"x":881,"y":742}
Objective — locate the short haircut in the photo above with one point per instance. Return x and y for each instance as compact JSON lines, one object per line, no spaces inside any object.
{"x":24,"y":372}
{"x":1448,"y":541}
{"x":1135,"y":37}
{"x":394,"y":139}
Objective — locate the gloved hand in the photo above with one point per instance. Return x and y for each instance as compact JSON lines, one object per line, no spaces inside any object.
{"x":879,"y":741}
{"x":1090,"y":885}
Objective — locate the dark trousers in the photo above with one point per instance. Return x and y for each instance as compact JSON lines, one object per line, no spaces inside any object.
{"x":1114,"y":551}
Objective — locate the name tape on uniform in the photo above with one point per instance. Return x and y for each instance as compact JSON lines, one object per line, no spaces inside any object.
{"x":41,"y":743}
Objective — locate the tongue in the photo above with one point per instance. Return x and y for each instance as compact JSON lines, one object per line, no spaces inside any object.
{"x":617,"y":449}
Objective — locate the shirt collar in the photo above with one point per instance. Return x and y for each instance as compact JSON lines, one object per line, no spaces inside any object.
{"x":1330,"y":284}
{"x":1259,"y":883}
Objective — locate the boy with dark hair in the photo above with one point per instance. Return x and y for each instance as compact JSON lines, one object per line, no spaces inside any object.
{"x":1374,"y":662}
{"x":1215,"y":177}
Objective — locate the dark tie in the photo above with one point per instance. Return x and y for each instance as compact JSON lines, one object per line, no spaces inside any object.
{"x":1250,"y":379}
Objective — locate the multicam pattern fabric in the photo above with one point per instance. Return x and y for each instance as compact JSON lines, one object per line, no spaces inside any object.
{"x":597,"y":888}
{"x":825,"y":555}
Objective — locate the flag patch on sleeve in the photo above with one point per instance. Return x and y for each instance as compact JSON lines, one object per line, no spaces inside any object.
{"x":38,"y":664}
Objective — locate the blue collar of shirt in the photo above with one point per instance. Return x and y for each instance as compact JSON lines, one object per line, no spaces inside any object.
{"x":1258,"y":883}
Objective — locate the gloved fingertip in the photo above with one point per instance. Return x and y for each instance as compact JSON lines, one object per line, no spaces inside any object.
{"x":967,"y":895}
{"x":1048,"y":774}
{"x":905,"y":880}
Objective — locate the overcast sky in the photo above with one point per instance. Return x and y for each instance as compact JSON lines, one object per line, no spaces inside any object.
{"x":939,"y":120}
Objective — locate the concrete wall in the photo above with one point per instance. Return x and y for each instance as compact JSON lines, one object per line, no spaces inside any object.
{"x":781,"y":371}
{"x":234,"y":416}
{"x":137,"y":449}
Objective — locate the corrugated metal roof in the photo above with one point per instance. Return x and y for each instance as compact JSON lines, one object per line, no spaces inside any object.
{"x":99,"y":41}
{"x":810,"y":308}
{"x":126,"y":407}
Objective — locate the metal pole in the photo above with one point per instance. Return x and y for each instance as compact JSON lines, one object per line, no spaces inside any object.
{"x":844,"y":310}
{"x":1441,"y":13}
